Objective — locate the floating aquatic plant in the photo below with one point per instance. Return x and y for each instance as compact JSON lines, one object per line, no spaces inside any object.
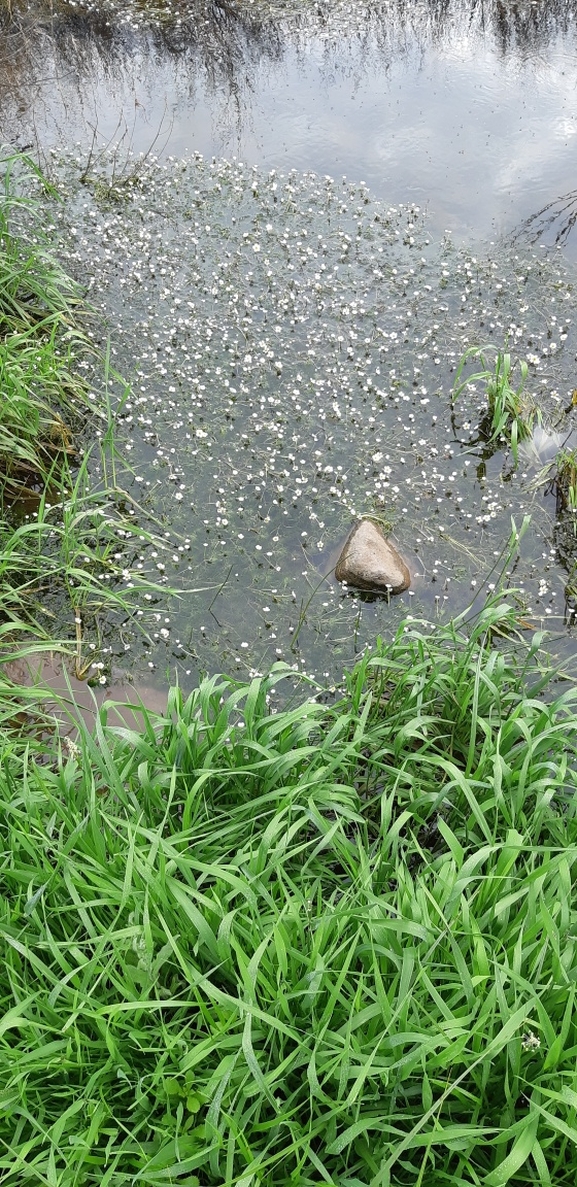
{"x":292,"y":344}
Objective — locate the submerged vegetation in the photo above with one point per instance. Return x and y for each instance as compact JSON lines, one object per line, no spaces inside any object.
{"x":328,"y":944}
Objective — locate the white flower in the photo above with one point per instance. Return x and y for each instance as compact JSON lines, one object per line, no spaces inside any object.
{"x":530,"y":1041}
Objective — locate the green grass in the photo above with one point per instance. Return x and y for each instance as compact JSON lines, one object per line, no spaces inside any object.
{"x":67,"y":571}
{"x":44,"y":399}
{"x":565,"y":481}
{"x":509,"y":416}
{"x":327,"y":945}
{"x":47,"y":510}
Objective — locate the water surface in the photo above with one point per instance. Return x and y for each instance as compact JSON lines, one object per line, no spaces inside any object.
{"x":467,"y":109}
{"x":330,"y":213}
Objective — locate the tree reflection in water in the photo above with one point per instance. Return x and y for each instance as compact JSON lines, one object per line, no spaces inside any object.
{"x":226,"y":40}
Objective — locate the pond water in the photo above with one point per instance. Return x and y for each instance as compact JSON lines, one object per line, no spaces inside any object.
{"x":291,"y":334}
{"x":466,"y":108}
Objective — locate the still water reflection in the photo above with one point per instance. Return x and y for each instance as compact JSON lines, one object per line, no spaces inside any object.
{"x":469,"y":109}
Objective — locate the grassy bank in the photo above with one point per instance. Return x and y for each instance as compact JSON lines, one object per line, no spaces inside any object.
{"x":331,"y":944}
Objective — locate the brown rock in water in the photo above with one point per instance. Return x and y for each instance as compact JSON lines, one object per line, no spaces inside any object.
{"x":369,"y":562}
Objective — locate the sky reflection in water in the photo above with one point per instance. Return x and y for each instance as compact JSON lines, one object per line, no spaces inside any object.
{"x":469,"y":110}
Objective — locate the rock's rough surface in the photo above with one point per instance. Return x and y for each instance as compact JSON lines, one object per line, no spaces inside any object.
{"x":369,"y":562}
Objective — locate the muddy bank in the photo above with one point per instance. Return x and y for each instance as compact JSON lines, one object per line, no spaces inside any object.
{"x":50,"y":676}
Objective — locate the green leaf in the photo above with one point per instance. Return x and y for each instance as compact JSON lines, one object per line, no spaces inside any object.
{"x":520,"y":1151}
